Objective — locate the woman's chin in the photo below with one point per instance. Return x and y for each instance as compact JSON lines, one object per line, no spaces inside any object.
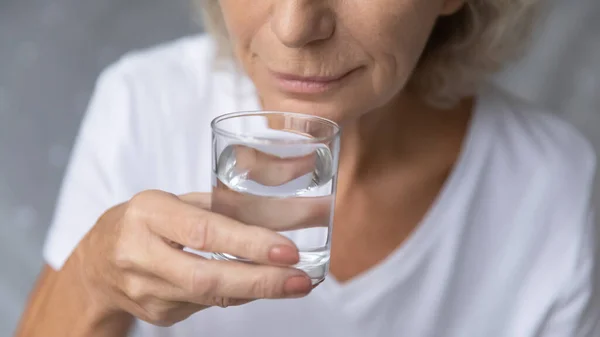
{"x":331,"y":110}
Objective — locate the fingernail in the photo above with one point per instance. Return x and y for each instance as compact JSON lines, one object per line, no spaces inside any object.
{"x":297,"y":285}
{"x":284,"y":254}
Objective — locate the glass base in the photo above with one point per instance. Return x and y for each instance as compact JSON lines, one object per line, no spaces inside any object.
{"x":315,"y":263}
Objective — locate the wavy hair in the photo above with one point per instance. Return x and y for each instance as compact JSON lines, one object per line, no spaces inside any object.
{"x":463,"y":50}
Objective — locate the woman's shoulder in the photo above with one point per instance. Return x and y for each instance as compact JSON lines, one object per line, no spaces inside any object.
{"x":171,"y":69}
{"x":154,"y":100}
{"x":538,"y":140}
{"x":539,"y":166}
{"x":170,"y":59}
{"x":538,"y":181}
{"x":170,"y":85}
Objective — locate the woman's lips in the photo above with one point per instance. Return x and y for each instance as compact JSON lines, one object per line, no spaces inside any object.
{"x":307,"y":84}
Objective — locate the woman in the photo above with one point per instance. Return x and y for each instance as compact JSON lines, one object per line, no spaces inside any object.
{"x":461,"y":211}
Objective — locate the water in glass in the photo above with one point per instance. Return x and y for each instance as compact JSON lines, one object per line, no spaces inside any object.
{"x":287,"y":185}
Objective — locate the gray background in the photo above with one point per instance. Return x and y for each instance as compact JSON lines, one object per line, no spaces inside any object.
{"x":52,"y":50}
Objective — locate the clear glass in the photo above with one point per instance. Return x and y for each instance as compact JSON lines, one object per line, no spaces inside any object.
{"x":278,"y":170}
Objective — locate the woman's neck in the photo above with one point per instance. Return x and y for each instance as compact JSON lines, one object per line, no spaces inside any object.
{"x":393,"y":164}
{"x":403,"y":139}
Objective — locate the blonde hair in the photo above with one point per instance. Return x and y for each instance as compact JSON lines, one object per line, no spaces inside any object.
{"x":463,"y":49}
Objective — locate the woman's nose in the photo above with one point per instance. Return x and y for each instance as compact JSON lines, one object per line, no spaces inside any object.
{"x":298,"y":23}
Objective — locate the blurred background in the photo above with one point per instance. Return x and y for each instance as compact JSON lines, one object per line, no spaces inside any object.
{"x":51,"y":52}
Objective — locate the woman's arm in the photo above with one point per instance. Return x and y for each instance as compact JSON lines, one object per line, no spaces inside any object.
{"x":59,"y":305}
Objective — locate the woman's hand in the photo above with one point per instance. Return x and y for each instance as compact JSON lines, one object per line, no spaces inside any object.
{"x":133,"y":259}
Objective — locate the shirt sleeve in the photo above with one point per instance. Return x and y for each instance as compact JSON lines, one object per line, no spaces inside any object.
{"x":101,"y":169}
{"x":577,"y":312}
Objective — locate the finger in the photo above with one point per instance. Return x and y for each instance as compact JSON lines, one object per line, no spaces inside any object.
{"x":200,"y":200}
{"x":184,"y":310}
{"x":279,"y":214}
{"x":154,"y":300}
{"x":148,"y":291}
{"x":192,"y":227}
{"x":205,"y":281}
{"x":176,"y":312}
{"x":266,"y":168}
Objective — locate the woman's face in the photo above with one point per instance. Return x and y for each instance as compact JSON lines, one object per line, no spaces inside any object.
{"x":332,"y":58}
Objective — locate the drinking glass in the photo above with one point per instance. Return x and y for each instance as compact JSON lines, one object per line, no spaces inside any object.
{"x":278,"y":170}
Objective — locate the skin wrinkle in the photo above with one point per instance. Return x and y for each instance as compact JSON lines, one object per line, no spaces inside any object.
{"x":352,"y":45}
{"x":489,"y":33}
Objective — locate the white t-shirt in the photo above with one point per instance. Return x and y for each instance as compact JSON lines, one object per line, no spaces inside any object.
{"x":505,"y":251}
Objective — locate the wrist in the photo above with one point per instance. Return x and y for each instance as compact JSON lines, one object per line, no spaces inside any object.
{"x":101,"y":309}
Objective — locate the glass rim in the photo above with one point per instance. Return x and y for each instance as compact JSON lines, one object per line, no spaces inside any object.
{"x":259,"y":139}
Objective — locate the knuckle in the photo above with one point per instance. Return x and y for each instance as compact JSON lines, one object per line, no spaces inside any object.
{"x":136,"y":290}
{"x":246,"y":249}
{"x":158,"y":315}
{"x":165,"y":323}
{"x":141,"y":205}
{"x":123,"y":260}
{"x":147,"y":195}
{"x":223,"y":302}
{"x":203,"y":285}
{"x":133,"y":212}
{"x":234,"y":302}
{"x":242,"y":244}
{"x":253,"y":246}
{"x":144,"y":198}
{"x":200,"y":232}
{"x":247,"y":240}
{"x":264,"y":287}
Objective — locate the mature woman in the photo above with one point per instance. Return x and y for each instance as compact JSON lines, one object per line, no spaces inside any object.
{"x":461,"y":211}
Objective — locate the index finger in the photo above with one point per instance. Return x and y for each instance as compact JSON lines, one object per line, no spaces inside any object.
{"x":202,"y":230}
